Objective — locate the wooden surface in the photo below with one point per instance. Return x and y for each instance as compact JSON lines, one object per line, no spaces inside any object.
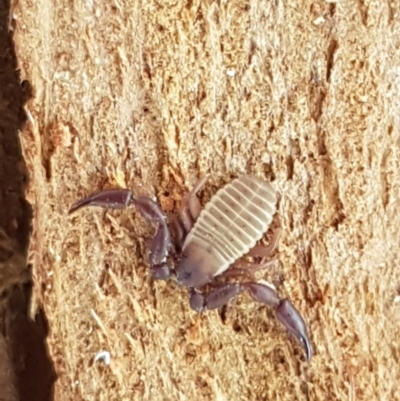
{"x":153,"y":95}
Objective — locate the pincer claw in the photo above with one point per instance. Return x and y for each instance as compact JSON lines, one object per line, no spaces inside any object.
{"x":114,"y":198}
{"x":290,"y":317}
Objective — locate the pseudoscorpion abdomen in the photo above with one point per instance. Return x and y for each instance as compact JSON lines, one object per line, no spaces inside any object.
{"x":235,"y":218}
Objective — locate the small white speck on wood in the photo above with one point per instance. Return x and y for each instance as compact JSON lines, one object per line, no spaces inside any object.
{"x":103,"y":356}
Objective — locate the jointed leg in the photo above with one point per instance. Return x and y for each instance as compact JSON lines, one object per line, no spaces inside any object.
{"x":191,"y":207}
{"x":252,"y":267}
{"x":285,"y":312}
{"x":177,"y":233}
{"x":243,"y":267}
{"x":236,"y":271}
{"x":263,"y":251}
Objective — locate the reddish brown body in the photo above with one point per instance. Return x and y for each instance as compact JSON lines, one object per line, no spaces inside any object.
{"x":210,"y":241}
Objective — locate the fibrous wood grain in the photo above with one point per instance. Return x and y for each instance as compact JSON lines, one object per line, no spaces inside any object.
{"x":153,"y":95}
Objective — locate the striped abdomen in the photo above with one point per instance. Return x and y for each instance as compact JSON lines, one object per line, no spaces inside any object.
{"x":236,"y":217}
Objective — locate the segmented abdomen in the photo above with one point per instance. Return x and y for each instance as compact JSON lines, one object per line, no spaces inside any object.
{"x":235,"y":218}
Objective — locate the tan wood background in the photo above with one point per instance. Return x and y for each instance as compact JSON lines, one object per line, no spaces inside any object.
{"x":152,"y":95}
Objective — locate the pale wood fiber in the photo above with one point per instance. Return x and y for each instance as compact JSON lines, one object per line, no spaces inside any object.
{"x":153,"y":95}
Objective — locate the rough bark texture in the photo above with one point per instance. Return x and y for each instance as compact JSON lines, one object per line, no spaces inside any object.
{"x":152,"y":95}
{"x":26,"y":371}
